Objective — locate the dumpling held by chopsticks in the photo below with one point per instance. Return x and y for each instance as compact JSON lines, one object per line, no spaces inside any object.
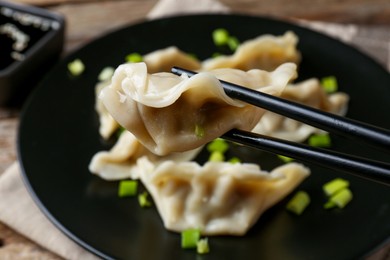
{"x":169,"y":113}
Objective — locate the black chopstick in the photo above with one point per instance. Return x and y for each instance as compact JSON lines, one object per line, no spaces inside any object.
{"x":361,"y":167}
{"x":350,"y":128}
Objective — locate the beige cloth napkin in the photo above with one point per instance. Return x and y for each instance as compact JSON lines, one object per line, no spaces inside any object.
{"x":18,"y":210}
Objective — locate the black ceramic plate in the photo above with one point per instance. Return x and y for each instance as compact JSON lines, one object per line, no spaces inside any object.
{"x":59,"y":135}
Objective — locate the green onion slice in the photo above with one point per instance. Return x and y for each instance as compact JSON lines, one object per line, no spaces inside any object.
{"x":199,"y":131}
{"x":340,"y":199}
{"x":285,"y":158}
{"x":127,"y":188}
{"x":192,"y":56}
{"x":329,"y":84}
{"x":202,"y":246}
{"x":298,"y":202}
{"x":216,"y":54}
{"x":216,"y":157}
{"x":134,"y":57}
{"x":233,"y":43}
{"x":143,"y":200}
{"x":234,"y":160}
{"x":220,"y":36}
{"x":332,"y":187}
{"x":106,"y":74}
{"x":120,"y":131}
{"x":320,"y":140}
{"x":190,"y":238}
{"x":76,"y":67}
{"x":218,"y":145}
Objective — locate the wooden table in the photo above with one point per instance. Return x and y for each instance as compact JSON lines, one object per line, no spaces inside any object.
{"x":87,"y":19}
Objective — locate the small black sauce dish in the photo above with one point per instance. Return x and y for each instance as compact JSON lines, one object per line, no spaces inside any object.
{"x":31,"y":41}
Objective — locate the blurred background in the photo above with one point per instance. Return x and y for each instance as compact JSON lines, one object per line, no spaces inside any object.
{"x":88,"y":18}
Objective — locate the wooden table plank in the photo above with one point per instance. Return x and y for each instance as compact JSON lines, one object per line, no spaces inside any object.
{"x":15,"y":246}
{"x":347,"y":11}
{"x":46,"y":3}
{"x":8,"y":126}
{"x":89,"y":20}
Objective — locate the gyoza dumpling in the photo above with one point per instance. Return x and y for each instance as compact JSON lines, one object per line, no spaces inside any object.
{"x":157,"y":61}
{"x":265,"y":52}
{"x":163,"y":60}
{"x":121,"y":161}
{"x":310,"y":93}
{"x":108,"y":125}
{"x":168,"y":113}
{"x":218,"y":198}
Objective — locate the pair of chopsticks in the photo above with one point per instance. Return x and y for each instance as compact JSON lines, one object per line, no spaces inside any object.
{"x":359,"y":131}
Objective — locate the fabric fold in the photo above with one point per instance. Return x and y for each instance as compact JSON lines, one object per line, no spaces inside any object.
{"x":19,"y":211}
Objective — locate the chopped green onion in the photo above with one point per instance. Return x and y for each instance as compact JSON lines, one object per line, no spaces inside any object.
{"x":218,"y":145}
{"x":332,"y":187}
{"x":134,"y":57}
{"x":216,"y":157}
{"x":106,"y":74}
{"x":320,"y":140}
{"x":285,"y":158}
{"x":329,"y":204}
{"x":329,"y":84}
{"x":298,"y":202}
{"x":199,"y":131}
{"x":340,"y":199}
{"x":76,"y":67}
{"x":192,"y":55}
{"x":220,"y":36}
{"x":127,"y":188}
{"x":216,"y":54}
{"x":233,"y":43}
{"x":143,"y":200}
{"x":119,"y":131}
{"x":234,"y":160}
{"x":202,"y":246}
{"x":190,"y":238}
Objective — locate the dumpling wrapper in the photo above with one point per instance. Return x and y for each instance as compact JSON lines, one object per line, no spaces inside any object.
{"x":163,"y":60}
{"x":108,"y":125}
{"x":265,"y":52}
{"x":266,"y":47}
{"x":163,"y":110}
{"x":310,"y":93}
{"x":157,"y":61}
{"x":120,"y":162}
{"x":218,"y":198}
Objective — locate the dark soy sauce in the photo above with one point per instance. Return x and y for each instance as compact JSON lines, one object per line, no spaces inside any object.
{"x":19,"y":32}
